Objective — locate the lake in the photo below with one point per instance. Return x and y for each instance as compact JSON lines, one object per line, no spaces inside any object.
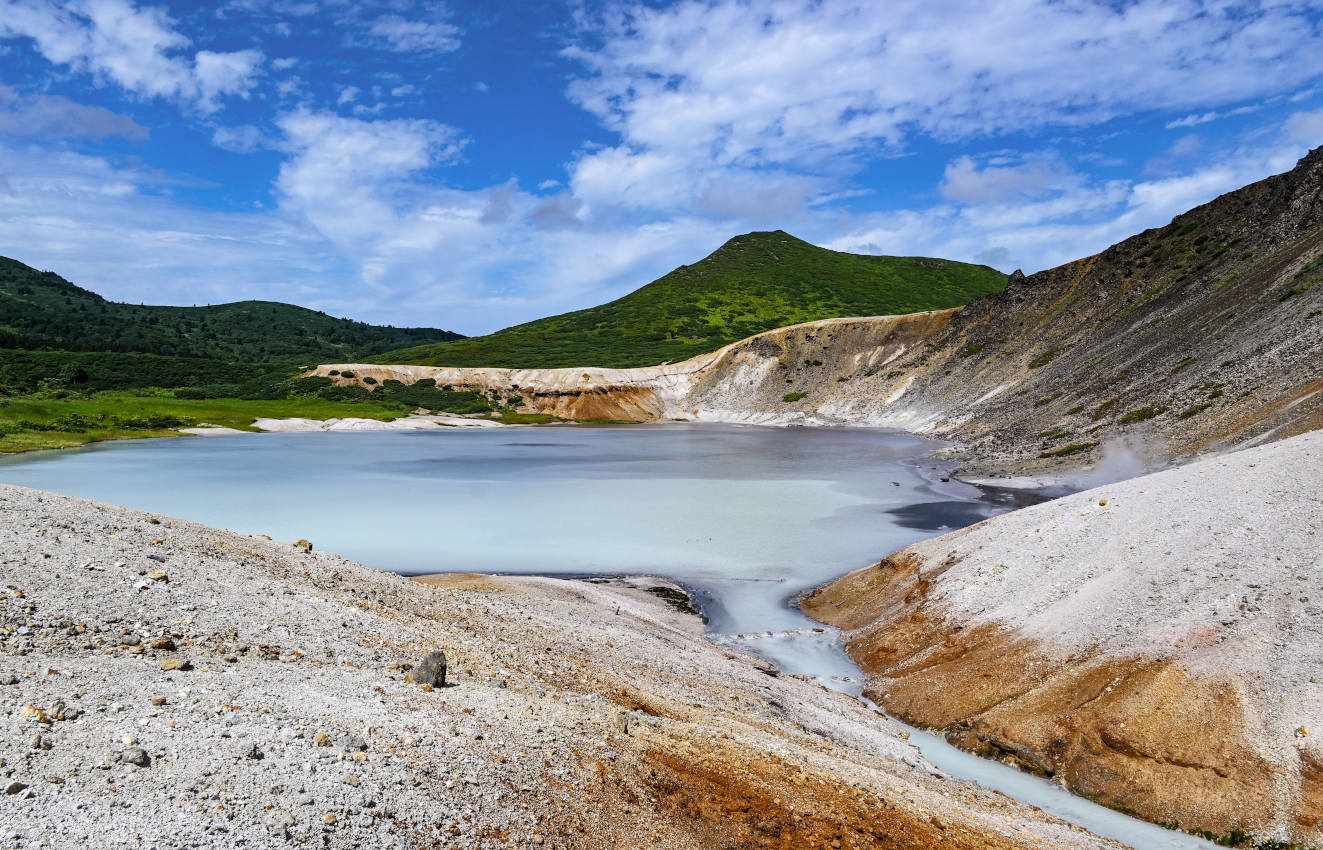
{"x":745,"y":517}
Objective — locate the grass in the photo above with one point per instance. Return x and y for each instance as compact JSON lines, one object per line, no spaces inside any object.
{"x":1141,"y":414}
{"x":1193,"y":410}
{"x":753,"y":283}
{"x":48,"y":423}
{"x":1066,"y":451}
{"x":793,"y":396}
{"x":1044,"y":358}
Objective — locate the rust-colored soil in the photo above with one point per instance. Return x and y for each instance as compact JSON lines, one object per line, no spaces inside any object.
{"x":1138,"y":734}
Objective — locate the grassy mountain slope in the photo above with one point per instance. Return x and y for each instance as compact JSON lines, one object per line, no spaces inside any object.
{"x":753,"y":283}
{"x":41,"y":310}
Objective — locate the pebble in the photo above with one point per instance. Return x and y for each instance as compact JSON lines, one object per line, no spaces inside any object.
{"x":135,"y":756}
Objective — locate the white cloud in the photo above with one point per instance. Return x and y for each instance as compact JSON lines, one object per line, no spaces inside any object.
{"x":136,"y":48}
{"x":244,"y":138}
{"x":1195,"y":119}
{"x":55,"y":116}
{"x":967,"y":182}
{"x":811,"y":86}
{"x":1306,"y":127}
{"x":1065,"y":227}
{"x":348,"y":94}
{"x":405,"y":36}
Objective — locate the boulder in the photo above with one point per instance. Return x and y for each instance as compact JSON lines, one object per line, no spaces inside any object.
{"x":431,"y":670}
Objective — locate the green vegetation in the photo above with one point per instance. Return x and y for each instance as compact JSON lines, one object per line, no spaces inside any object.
{"x":49,"y":423}
{"x":1181,"y":366}
{"x":1306,"y":275}
{"x":1054,"y":433}
{"x":677,"y":599}
{"x":1045,"y":400}
{"x":1044,"y":358}
{"x":753,"y":283}
{"x":1065,"y":451}
{"x":43,"y":311}
{"x":793,"y":396}
{"x":1193,"y":410}
{"x":75,"y":367}
{"x":1140,"y":414}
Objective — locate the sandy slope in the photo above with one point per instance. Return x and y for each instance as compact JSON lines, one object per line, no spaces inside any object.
{"x":581,"y":715}
{"x":1157,"y":642}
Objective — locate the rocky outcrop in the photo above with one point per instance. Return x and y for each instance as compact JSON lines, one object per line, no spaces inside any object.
{"x":1156,"y":644}
{"x":1202,"y":335}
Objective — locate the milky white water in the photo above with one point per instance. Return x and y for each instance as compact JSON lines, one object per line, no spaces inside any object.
{"x":746,"y":517}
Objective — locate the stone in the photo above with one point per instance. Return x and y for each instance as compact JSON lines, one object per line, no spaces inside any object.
{"x":321,"y":739}
{"x":176,"y":664}
{"x":351,"y":779}
{"x":254,"y":752}
{"x":329,"y":820}
{"x":159,"y":575}
{"x":163,"y":643}
{"x":303,"y":545}
{"x":353,"y":743}
{"x":31,"y":712}
{"x":158,"y":700}
{"x":15,"y":787}
{"x":136,"y":756}
{"x":432,"y":670}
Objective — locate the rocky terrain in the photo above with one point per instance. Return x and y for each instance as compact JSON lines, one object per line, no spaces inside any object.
{"x":165,"y":684}
{"x":1202,"y":335}
{"x":1157,"y":644}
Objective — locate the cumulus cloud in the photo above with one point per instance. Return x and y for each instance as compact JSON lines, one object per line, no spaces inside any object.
{"x":136,"y":48}
{"x":56,"y":116}
{"x":1065,"y":226}
{"x":807,"y":85}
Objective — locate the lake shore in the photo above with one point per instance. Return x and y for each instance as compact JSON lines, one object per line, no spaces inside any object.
{"x":231,"y":687}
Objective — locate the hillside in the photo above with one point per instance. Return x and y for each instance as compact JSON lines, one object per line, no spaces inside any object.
{"x":41,"y":310}
{"x":753,"y":283}
{"x":1199,"y":336}
{"x":1154,"y":644}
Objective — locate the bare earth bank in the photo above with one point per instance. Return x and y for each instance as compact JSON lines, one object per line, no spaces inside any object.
{"x":578,"y":715}
{"x":1157,"y":643}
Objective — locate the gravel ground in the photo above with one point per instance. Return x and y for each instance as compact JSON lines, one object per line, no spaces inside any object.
{"x":165,"y":684}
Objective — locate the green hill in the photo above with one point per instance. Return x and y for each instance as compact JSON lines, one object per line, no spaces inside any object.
{"x":41,"y":310}
{"x":753,"y":283}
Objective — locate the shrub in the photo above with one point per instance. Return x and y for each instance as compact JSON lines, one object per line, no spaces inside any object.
{"x":1192,"y":410}
{"x":369,"y":380}
{"x":348,"y":374}
{"x":1140,"y":414}
{"x":793,"y":396}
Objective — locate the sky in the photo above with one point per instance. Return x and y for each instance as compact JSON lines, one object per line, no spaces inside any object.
{"x":471,"y":165}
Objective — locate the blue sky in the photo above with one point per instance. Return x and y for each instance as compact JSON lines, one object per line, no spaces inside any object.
{"x":474,"y":165}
